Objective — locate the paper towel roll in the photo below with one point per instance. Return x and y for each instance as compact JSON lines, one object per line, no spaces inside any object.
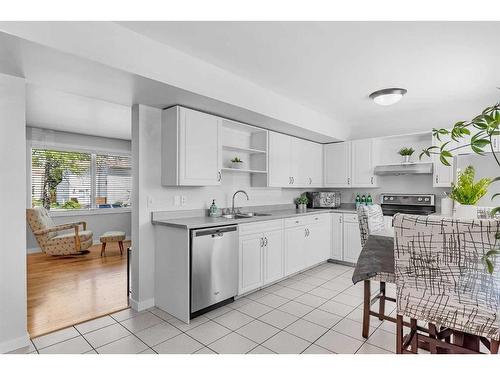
{"x":447,"y":207}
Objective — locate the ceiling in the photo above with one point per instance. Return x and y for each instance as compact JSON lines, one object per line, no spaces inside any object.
{"x":450,"y":69}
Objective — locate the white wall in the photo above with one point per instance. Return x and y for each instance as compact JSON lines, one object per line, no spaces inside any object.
{"x":98,"y":223}
{"x":13,"y":333}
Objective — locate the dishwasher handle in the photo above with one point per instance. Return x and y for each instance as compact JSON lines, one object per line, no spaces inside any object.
{"x":214,"y":232}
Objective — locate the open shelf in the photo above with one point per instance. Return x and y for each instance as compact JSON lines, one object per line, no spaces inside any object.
{"x":243,"y":149}
{"x":242,"y":170}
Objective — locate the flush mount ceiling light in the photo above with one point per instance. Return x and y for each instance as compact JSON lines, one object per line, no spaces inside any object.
{"x":387,"y":96}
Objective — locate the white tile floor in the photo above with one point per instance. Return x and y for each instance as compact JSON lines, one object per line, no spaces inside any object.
{"x":318,"y":311}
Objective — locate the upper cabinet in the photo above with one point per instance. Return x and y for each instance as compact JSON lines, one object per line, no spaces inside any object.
{"x":442,"y":174}
{"x":294,"y":162}
{"x":349,"y":164}
{"x":191,"y":148}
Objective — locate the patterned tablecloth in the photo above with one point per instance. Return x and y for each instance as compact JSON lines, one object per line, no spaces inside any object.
{"x":377,"y":256}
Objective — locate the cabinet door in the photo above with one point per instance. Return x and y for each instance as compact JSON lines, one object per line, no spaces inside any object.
{"x":442,"y":175}
{"x":279,"y":160}
{"x":337,"y":164}
{"x":352,"y":241}
{"x":317,"y":243}
{"x":300,"y":160}
{"x":312,"y":166}
{"x":273,"y":256}
{"x":362,"y":163}
{"x":496,"y":143}
{"x":199,"y":148}
{"x":294,"y":249}
{"x":337,"y":236}
{"x":250,"y":262}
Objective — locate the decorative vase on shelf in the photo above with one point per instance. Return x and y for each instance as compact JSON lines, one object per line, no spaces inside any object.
{"x":237,"y":165}
{"x":302,"y":207}
{"x":465,"y":211}
{"x":406,"y":159}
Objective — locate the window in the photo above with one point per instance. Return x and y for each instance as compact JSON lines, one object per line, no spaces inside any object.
{"x":66,"y":180}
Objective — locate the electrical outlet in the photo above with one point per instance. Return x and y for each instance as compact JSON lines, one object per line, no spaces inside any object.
{"x":177,"y":201}
{"x":183,"y":200}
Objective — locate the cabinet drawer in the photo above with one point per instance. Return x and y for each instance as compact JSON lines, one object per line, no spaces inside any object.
{"x":296,"y":221}
{"x":260,"y":227}
{"x":317,"y":219}
{"x":350,"y":218}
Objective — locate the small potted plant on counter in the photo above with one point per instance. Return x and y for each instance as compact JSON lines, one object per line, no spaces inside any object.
{"x":302,"y":202}
{"x":466,"y":193}
{"x":406,"y":153}
{"x":237,"y":163}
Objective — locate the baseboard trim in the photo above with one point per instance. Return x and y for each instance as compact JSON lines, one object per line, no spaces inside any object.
{"x":17,"y":343}
{"x":141,"y":305}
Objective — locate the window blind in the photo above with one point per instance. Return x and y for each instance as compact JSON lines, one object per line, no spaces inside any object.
{"x":113,"y":181}
{"x":60,"y":179}
{"x":63,"y":180}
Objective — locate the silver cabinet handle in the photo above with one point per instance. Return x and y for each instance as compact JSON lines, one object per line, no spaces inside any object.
{"x":437,"y":179}
{"x":310,"y":180}
{"x":289,"y":180}
{"x":372,"y":180}
{"x":305,"y":232}
{"x":340,"y":219}
{"x":219,"y":176}
{"x":293,"y":180}
{"x":348,"y":180}
{"x":265,"y":241}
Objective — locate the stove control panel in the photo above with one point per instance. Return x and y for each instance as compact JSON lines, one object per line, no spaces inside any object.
{"x":408,"y":199}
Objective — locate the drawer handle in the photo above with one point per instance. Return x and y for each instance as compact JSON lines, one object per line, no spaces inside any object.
{"x":297,"y":222}
{"x":316,"y":218}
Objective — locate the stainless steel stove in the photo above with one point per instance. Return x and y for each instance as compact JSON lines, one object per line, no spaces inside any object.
{"x":417,"y":204}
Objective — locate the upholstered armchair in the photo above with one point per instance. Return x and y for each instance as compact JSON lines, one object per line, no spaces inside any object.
{"x":441,"y":279}
{"x":64,"y":239}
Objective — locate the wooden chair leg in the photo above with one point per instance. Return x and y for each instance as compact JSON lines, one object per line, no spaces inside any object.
{"x":399,"y":334}
{"x":366,"y":308}
{"x":414,"y":340}
{"x":103,"y":248}
{"x":120,"y":245}
{"x":432,"y":335}
{"x":381,"y":302}
{"x":494,"y":346}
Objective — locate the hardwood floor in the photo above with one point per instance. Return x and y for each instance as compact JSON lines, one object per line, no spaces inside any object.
{"x":63,"y":291}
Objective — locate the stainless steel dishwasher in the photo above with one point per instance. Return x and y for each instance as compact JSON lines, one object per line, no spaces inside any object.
{"x":214,"y":267}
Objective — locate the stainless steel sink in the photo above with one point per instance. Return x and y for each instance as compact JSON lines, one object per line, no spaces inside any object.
{"x":244,"y":215}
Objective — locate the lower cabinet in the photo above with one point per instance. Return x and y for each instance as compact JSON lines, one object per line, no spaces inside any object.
{"x":337,"y":236}
{"x":260,"y":255}
{"x":295,"y":239}
{"x":352,"y":238}
{"x":318,"y":242}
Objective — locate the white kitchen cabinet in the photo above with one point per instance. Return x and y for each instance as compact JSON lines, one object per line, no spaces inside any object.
{"x":318,"y":240}
{"x":352,"y":238}
{"x":273,"y":256}
{"x":250,"y":262}
{"x":279,"y":159}
{"x":337,"y":235}
{"x":362,"y":164}
{"x":294,"y":249}
{"x":191,"y":148}
{"x":442,"y":174}
{"x":349,"y":164}
{"x":294,"y":162}
{"x":496,"y":143}
{"x":337,"y":164}
{"x":388,"y":222}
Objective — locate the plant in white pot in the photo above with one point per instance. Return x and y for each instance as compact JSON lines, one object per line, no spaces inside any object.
{"x":406,"y":153}
{"x":237,"y":163}
{"x":302,"y":202}
{"x":467,"y":193}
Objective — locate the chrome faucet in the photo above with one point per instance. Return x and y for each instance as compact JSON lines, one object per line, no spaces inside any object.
{"x":234,"y":195}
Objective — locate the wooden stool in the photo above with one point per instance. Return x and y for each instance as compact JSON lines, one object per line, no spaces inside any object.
{"x":112,"y":236}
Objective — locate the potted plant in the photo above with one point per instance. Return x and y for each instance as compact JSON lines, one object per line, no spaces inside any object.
{"x":406,"y":153}
{"x":485,"y":126}
{"x":302,"y":202}
{"x":237,"y":163}
{"x":467,"y":193}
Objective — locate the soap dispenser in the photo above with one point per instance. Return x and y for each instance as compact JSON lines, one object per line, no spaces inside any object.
{"x":213,"y":211}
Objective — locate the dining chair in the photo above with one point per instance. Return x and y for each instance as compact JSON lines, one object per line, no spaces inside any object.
{"x":442,"y":279}
{"x":371,"y":220}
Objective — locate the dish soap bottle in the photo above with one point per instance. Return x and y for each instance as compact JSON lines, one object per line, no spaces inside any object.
{"x":213,"y":211}
{"x":358,"y":201}
{"x":363,"y":200}
{"x":369,"y":200}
